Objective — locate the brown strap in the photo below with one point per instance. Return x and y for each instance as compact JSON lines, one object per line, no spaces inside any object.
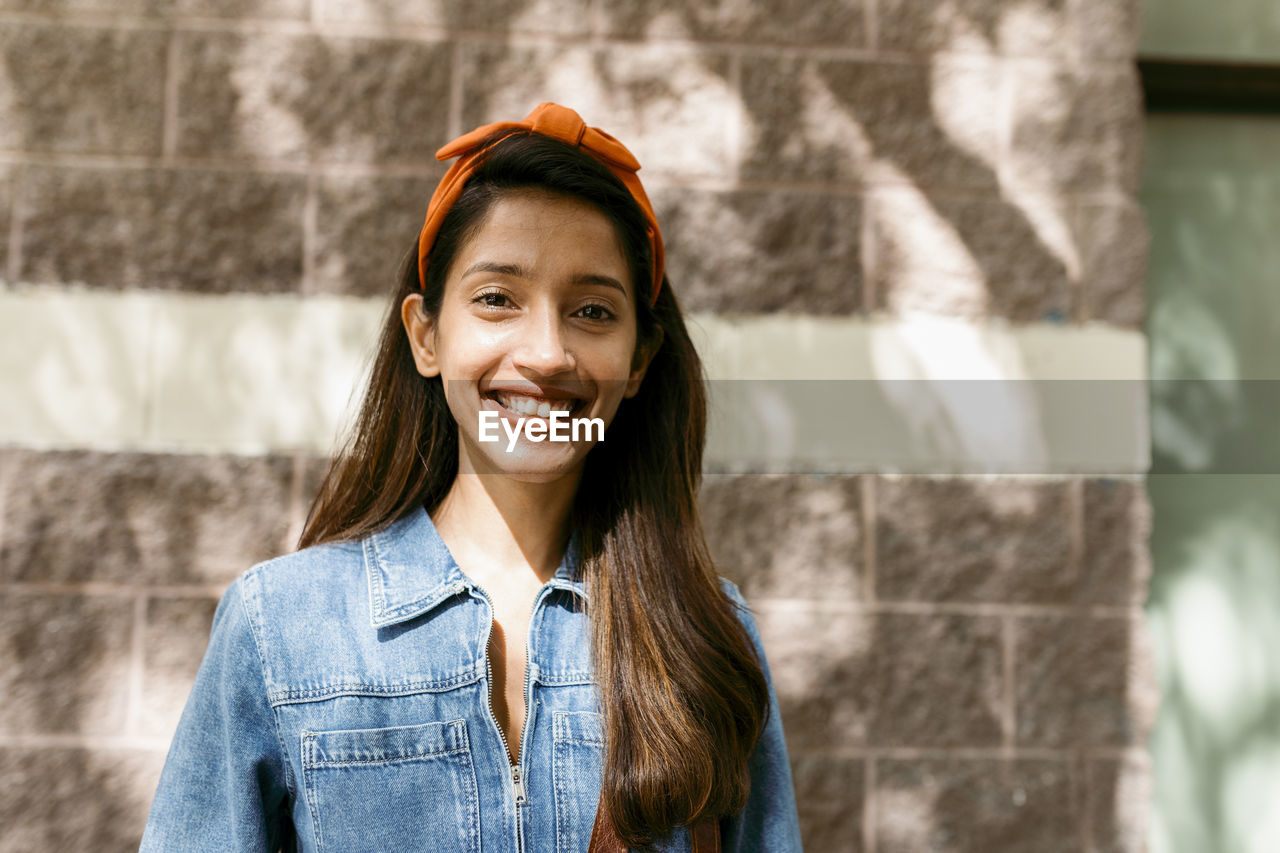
{"x":603,"y":839}
{"x":706,"y":835}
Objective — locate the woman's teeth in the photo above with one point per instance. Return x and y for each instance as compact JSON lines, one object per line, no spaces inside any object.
{"x":532,"y":406}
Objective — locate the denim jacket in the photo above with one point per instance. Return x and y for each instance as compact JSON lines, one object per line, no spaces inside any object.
{"x":343,"y":706}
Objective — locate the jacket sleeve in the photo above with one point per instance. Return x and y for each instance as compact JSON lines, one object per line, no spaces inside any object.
{"x":225,"y":784}
{"x":769,"y":822}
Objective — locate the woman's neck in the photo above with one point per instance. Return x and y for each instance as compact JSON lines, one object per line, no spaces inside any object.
{"x":496,"y":525}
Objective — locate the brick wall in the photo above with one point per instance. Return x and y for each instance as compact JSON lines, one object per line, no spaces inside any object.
{"x":961,"y":660}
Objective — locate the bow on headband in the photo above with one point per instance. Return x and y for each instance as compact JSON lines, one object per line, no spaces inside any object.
{"x":559,"y":123}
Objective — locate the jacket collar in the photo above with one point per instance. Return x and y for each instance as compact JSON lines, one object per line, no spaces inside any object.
{"x":410,"y":570}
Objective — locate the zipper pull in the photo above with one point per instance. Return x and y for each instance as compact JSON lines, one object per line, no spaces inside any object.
{"x":518,"y":783}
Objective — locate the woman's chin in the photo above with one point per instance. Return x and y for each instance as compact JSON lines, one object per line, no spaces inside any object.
{"x":531,"y":464}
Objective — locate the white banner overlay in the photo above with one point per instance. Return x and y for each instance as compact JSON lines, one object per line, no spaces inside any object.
{"x":249,"y":374}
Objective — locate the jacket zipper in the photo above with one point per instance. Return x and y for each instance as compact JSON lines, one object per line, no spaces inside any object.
{"x":517,"y":777}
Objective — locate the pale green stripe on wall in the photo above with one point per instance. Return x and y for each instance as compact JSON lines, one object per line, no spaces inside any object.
{"x":249,"y":374}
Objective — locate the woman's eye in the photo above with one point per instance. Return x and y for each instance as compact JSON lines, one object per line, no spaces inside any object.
{"x":596,"y":312}
{"x":491,"y":299}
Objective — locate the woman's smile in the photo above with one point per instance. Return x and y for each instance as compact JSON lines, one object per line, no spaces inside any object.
{"x":537,"y":317}
{"x":535,"y":404}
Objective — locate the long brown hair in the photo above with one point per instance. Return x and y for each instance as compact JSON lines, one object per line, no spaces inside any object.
{"x":682,"y":693}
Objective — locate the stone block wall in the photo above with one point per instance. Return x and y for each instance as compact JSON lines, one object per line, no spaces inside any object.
{"x":961,"y":660}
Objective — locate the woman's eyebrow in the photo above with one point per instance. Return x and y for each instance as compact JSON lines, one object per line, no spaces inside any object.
{"x":596,"y":278}
{"x":513,"y":270}
{"x":585,"y":279}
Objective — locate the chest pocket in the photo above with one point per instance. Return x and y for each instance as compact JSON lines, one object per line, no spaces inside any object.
{"x":577,"y":766}
{"x":409,"y":787}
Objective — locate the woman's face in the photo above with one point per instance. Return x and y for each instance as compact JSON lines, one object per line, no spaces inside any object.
{"x":537,"y":315}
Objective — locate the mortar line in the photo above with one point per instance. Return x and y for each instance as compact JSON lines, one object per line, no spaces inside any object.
{"x":1010,"y":637}
{"x":310,"y":207}
{"x":1075,"y":532}
{"x":17,"y":187}
{"x":1081,"y":292}
{"x":269,"y":166}
{"x":869,"y":800}
{"x":988,"y":609}
{"x":989,"y":752}
{"x":6,"y":467}
{"x":1078,"y":774}
{"x":1006,"y":101}
{"x":114,"y":590}
{"x":83,"y":741}
{"x":595,"y":22}
{"x":169,"y":128}
{"x":415,"y":32}
{"x":137,"y":662}
{"x":735,"y":132}
{"x":867,"y":254}
{"x":454,"y":115}
{"x":869,"y":540}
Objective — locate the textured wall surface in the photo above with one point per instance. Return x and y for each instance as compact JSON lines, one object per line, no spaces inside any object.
{"x":961,"y":661}
{"x":1212,"y":190}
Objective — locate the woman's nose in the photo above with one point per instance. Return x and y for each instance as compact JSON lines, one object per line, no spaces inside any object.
{"x":543,"y":345}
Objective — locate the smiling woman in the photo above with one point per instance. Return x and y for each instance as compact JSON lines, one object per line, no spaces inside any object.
{"x":531,"y":319}
{"x":507,"y":647}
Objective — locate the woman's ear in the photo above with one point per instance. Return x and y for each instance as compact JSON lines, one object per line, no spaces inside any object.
{"x":421,"y":331}
{"x":640,"y":363}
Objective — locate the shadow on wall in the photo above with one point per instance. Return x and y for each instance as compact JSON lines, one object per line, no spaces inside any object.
{"x":1211,"y":193}
{"x":792,"y":182}
{"x":807,"y":174}
{"x":75,"y":799}
{"x":924,"y":654}
{"x":1213,"y":616}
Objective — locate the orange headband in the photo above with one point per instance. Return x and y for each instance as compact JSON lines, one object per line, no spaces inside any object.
{"x":559,"y":123}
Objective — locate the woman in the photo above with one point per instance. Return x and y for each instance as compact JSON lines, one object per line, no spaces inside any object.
{"x":506,"y":645}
